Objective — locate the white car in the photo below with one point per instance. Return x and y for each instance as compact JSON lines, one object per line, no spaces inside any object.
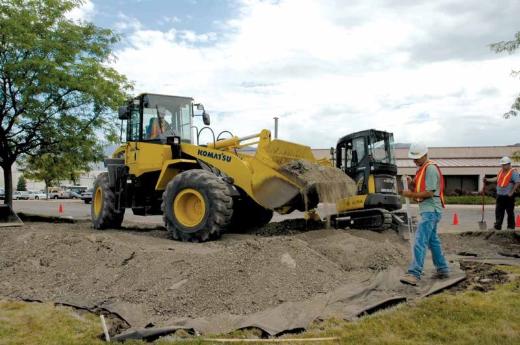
{"x":20,"y":195}
{"x":37,"y":195}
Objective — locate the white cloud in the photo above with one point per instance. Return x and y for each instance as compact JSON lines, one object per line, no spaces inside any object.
{"x":126,"y":23}
{"x":329,"y":68}
{"x":85,"y":12}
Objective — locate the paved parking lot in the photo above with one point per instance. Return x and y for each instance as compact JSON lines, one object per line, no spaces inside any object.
{"x":468,"y":215}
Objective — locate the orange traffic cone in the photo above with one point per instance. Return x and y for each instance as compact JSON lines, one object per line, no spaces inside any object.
{"x":517,"y":221}
{"x":455,"y":219}
{"x":60,"y":209}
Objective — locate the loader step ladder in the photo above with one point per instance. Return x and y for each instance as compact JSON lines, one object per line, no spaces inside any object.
{"x":8,"y":217}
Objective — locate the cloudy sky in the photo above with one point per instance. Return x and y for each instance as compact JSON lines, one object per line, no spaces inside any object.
{"x":421,"y":69}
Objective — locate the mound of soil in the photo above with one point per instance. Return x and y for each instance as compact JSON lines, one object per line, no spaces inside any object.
{"x":331,"y":183}
{"x":240,"y":274}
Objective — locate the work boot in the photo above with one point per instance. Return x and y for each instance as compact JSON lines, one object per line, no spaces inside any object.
{"x":409,"y":279}
{"x":440,"y":275}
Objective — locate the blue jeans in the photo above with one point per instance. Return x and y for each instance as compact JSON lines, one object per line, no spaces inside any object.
{"x":426,"y":237}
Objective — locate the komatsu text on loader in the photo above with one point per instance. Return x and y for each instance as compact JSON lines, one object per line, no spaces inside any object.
{"x":201,"y":190}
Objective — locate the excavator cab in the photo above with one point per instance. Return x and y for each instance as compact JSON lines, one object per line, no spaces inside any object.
{"x":368,"y":158}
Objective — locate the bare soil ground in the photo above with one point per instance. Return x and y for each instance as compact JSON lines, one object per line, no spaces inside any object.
{"x":480,"y":277}
{"x":239,"y":274}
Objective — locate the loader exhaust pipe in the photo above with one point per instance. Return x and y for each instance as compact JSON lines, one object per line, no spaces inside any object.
{"x":275,"y":127}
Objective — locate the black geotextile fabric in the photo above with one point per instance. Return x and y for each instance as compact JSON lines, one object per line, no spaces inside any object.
{"x":347,"y":302}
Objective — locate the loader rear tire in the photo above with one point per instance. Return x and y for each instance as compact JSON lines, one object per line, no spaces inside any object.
{"x":197,"y":206}
{"x":103,"y":209}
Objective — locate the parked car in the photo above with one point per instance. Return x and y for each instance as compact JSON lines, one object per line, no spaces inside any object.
{"x":86,"y":196}
{"x":2,"y":194}
{"x":74,"y":195}
{"x":37,"y":195}
{"x":58,"y":193}
{"x":20,"y":195}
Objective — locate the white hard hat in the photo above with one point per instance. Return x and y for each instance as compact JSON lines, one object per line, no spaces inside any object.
{"x":417,"y":150}
{"x":505,"y":160}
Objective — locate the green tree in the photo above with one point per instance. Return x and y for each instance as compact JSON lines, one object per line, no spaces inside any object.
{"x":56,"y":83}
{"x":43,"y":168}
{"x":22,"y":184}
{"x":72,"y":159}
{"x":510,"y":47}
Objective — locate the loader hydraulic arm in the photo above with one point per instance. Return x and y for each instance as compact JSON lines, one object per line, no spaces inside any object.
{"x":237,"y":143}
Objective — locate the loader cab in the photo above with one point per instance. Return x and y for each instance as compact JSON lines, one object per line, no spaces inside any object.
{"x":155,"y":118}
{"x":368,"y":158}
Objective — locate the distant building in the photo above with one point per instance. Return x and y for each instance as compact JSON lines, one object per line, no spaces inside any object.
{"x":86,"y":179}
{"x":463,"y":167}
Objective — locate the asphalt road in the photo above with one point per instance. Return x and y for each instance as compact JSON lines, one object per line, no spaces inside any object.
{"x":469,"y":215}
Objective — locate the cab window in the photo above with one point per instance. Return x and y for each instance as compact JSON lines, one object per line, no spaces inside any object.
{"x":133,"y":126}
{"x":359,"y":150}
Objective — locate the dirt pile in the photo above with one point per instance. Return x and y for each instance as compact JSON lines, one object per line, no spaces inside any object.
{"x":359,"y":251}
{"x":330,"y":183}
{"x":161,"y":279}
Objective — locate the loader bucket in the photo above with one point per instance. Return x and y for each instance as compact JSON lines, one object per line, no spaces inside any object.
{"x":8,"y":217}
{"x":295,"y":179}
{"x":282,"y":152}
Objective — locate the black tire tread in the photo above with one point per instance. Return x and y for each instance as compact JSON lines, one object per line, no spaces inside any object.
{"x":108,"y":217}
{"x":219,"y":204}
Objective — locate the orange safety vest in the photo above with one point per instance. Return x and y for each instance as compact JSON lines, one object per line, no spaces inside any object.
{"x":420,"y":180}
{"x":504,"y":178}
{"x":158,"y":127}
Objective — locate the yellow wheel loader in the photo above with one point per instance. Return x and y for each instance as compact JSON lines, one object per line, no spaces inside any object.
{"x":201,"y":190}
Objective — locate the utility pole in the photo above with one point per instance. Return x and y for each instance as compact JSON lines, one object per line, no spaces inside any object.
{"x":275,"y":127}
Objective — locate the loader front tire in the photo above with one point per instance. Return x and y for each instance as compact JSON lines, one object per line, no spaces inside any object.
{"x":247,"y":214}
{"x":103,"y":207}
{"x":197,"y":206}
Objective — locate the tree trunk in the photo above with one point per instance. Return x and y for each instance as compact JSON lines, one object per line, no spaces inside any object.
{"x":8,"y":183}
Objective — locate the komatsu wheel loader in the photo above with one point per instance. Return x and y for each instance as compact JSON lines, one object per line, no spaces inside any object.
{"x":368,"y":158}
{"x":201,"y":190}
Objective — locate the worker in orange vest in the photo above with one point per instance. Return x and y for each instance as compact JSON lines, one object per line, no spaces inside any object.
{"x":428,"y":189}
{"x":507,"y":181}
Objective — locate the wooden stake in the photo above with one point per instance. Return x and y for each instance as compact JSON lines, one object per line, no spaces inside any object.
{"x":105,"y":329}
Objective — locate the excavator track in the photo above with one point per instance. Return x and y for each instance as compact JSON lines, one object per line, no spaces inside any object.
{"x":377,"y":219}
